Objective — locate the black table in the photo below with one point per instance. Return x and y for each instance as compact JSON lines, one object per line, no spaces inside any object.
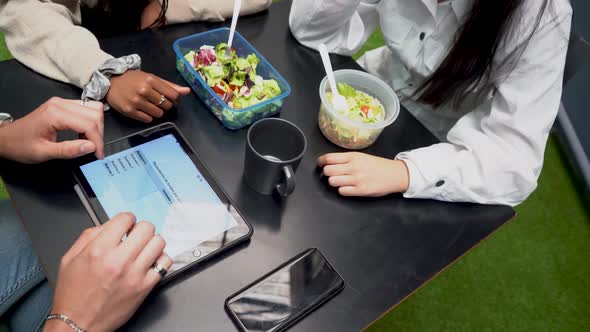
{"x":384,"y":248}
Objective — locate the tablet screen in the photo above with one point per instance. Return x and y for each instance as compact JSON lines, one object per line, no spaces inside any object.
{"x":158,"y":182}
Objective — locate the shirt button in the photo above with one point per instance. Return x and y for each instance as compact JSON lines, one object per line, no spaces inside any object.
{"x":440,"y":183}
{"x":422,"y":35}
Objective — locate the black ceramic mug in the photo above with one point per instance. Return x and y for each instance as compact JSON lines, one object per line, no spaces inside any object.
{"x":274,"y":148}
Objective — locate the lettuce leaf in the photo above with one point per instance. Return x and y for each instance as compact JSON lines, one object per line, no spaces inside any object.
{"x":271,"y":88}
{"x":213,"y":74}
{"x":346,"y":90}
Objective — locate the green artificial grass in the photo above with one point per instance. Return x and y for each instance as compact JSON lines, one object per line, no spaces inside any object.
{"x":531,"y":275}
{"x":4,"y":54}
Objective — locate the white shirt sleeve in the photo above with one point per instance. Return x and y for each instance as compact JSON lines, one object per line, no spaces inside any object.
{"x":343,"y":25}
{"x":496,"y":156}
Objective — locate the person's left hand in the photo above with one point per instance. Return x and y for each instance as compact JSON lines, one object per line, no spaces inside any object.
{"x":359,"y":174}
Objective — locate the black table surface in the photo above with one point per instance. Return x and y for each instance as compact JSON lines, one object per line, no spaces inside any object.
{"x":384,"y":248}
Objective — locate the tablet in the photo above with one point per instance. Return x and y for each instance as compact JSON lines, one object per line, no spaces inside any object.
{"x":157,"y":176}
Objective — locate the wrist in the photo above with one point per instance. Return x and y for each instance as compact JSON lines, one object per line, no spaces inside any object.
{"x":55,"y":325}
{"x":6,"y":140}
{"x":80,"y":318}
{"x":401,"y":176}
{"x":100,"y":83}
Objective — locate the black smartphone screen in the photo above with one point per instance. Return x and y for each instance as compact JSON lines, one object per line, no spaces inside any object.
{"x":286,"y":294}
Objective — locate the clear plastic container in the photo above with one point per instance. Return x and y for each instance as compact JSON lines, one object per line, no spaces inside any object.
{"x":348,"y":133}
{"x":230,"y":117}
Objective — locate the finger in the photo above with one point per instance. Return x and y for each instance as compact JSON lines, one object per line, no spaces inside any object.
{"x":69,"y":149}
{"x":153,"y":277}
{"x":139,"y":115}
{"x":165,"y":89}
{"x":334,"y":158}
{"x":137,"y":239}
{"x":114,"y":230}
{"x":83,"y":240}
{"x":183,"y":90}
{"x":349,"y":191}
{"x":154,"y":97}
{"x":150,"y":108}
{"x":338,"y":169}
{"x":76,"y":120}
{"x":91,"y":110}
{"x":151,"y":251}
{"x":341,"y":181}
{"x":90,"y":104}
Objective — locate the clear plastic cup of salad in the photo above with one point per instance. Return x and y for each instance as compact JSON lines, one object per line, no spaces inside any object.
{"x":372,"y":106}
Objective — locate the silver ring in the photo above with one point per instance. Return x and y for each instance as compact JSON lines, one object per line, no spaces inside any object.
{"x":162,"y":100}
{"x":160,"y":269}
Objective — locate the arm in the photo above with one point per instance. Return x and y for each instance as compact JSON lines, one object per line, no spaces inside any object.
{"x":497,"y":156}
{"x":43,"y":36}
{"x":180,"y":11}
{"x":343,"y":25}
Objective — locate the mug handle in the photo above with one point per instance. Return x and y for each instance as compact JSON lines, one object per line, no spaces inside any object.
{"x":285,"y":189}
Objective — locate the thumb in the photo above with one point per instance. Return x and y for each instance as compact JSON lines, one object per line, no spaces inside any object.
{"x":183,"y":90}
{"x":70,"y":149}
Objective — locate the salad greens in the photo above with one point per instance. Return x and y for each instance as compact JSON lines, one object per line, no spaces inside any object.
{"x":361,"y":106}
{"x":233,"y":78}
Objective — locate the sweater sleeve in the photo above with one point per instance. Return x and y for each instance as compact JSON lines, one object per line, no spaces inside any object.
{"x":44,"y":37}
{"x":180,"y":11}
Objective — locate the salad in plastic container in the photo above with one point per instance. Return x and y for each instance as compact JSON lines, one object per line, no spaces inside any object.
{"x":239,"y":88}
{"x":371,"y":106}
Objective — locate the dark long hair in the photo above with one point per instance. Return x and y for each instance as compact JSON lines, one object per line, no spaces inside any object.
{"x":471,"y":60}
{"x":110,"y":17}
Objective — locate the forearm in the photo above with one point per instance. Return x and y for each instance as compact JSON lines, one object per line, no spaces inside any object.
{"x":181,"y":11}
{"x":342,"y":25}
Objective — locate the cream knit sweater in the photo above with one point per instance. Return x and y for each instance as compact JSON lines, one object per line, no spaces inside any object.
{"x":46,"y":35}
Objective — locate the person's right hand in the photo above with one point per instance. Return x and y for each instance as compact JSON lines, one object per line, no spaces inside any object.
{"x":102,"y":280}
{"x":32,"y":139}
{"x":137,"y":94}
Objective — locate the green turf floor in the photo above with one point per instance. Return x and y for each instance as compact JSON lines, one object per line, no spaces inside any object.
{"x":531,"y":275}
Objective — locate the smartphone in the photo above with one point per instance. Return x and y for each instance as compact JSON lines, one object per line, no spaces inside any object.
{"x":286,"y":294}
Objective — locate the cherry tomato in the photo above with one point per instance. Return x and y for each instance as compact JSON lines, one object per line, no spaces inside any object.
{"x":218,"y":90}
{"x":365,"y":109}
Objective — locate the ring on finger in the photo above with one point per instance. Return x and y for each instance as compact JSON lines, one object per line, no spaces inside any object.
{"x":162,"y":100}
{"x":160,"y":269}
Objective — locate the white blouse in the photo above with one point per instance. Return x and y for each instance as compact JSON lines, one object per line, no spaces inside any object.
{"x":491,"y":153}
